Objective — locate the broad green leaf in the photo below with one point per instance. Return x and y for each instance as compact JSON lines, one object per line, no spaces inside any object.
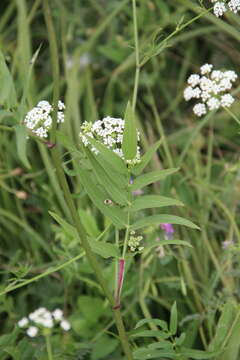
{"x":161,"y":219}
{"x":150,"y":178}
{"x":106,"y":250}
{"x":91,"y":308}
{"x":21,"y":139}
{"x":8,"y":95}
{"x":66,"y":141}
{"x":116,"y":194}
{"x":110,"y":156}
{"x":146,"y":158}
{"x":98,"y":197}
{"x":223,"y":326}
{"x":198,"y":354}
{"x":89,"y":223}
{"x":173,"y":319}
{"x":146,"y":353}
{"x":8,"y":339}
{"x":158,"y":322}
{"x":104,"y":346}
{"x":151,"y":333}
{"x":69,"y":229}
{"x":151,"y":201}
{"x":129,"y":144}
{"x":121,"y":180}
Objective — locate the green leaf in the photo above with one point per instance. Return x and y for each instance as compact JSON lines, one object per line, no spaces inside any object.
{"x":146,"y":353}
{"x":223,"y":326}
{"x":121,"y":180}
{"x":98,"y":197}
{"x":151,"y":333}
{"x":89,"y":223}
{"x":161,"y":219}
{"x":91,"y":308}
{"x":104,"y":249}
{"x":104,"y":346}
{"x":167,"y":242}
{"x":158,"y":322}
{"x":68,"y":228}
{"x":110,"y":156}
{"x":145,"y":159}
{"x":66,"y":141}
{"x":163,"y":344}
{"x":198,"y":354}
{"x":116,"y":194}
{"x":129,"y":144}
{"x":8,"y":95}
{"x":151,"y":177}
{"x":151,"y":201}
{"x":21,"y":139}
{"x":173,"y":319}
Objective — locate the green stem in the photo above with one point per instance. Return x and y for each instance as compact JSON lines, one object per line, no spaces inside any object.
{"x":137,"y":73}
{"x":49,"y":347}
{"x":66,"y":191}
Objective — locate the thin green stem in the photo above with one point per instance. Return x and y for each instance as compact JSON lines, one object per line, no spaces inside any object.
{"x":66,"y":191}
{"x":137,"y":73}
{"x":49,"y":347}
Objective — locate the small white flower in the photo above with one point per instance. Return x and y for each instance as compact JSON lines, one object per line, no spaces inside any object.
{"x":212,"y":87}
{"x":57,"y":314}
{"x":213,"y":103}
{"x":206,"y":69}
{"x":219,"y":8}
{"x":23,"y":322}
{"x":234,"y":5}
{"x":32,"y":331}
{"x":65,"y":325}
{"x":188,"y":93}
{"x":227,"y":100}
{"x":193,"y":79}
{"x":200,"y":109}
{"x":39,"y":119}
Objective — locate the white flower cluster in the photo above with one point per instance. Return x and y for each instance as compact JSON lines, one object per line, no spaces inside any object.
{"x":134,"y":242}
{"x":211,"y":87}
{"x":220,"y":7}
{"x":109,"y":131}
{"x":39,"y":119}
{"x":42,"y":318}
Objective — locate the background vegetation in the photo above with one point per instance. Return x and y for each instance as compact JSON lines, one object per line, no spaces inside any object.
{"x":96,"y":50}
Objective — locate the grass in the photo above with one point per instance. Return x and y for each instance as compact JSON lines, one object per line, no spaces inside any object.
{"x":42,"y":264}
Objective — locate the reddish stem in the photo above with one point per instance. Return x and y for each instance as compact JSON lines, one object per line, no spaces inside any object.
{"x":121,"y":267}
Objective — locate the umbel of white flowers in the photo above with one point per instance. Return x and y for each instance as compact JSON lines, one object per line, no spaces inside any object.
{"x":109,"y":131}
{"x":212,"y":87}
{"x":39,"y":119}
{"x":43,"y":319}
{"x":220,"y":7}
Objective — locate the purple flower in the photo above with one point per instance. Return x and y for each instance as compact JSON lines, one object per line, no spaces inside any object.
{"x":168,"y":230}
